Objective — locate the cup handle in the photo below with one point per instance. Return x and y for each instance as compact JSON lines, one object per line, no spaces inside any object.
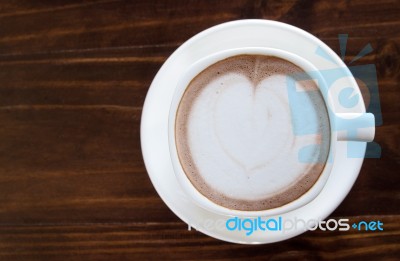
{"x":355,"y":126}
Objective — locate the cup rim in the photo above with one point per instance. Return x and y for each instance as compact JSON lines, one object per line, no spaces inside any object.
{"x":182,"y":178}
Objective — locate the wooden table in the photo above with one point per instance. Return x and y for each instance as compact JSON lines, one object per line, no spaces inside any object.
{"x":73,"y":79}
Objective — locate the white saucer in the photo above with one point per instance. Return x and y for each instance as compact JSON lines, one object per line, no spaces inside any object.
{"x":154,"y":125}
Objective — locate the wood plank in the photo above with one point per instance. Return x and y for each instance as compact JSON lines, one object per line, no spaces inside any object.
{"x":26,"y":28}
{"x":172,"y":241}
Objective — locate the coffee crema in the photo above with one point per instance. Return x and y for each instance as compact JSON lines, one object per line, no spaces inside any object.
{"x":237,"y":138}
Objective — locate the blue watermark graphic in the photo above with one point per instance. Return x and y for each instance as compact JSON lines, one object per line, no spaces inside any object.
{"x":333,"y":81}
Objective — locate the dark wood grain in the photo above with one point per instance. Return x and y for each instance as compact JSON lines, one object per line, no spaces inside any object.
{"x":73,"y":79}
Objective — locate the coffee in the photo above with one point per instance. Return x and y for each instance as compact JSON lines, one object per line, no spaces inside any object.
{"x":237,"y":138}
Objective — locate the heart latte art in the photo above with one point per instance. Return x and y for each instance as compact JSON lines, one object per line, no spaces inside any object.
{"x":236,"y":138}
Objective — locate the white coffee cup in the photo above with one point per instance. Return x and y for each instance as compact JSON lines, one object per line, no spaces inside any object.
{"x":363,"y":122}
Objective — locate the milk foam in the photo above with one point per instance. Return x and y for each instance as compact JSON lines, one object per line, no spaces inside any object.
{"x":235,"y":137}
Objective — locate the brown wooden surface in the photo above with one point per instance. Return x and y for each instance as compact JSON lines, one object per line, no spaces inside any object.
{"x":73,"y":79}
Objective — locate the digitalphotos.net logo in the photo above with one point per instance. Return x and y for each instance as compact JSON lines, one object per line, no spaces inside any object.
{"x":249,"y":226}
